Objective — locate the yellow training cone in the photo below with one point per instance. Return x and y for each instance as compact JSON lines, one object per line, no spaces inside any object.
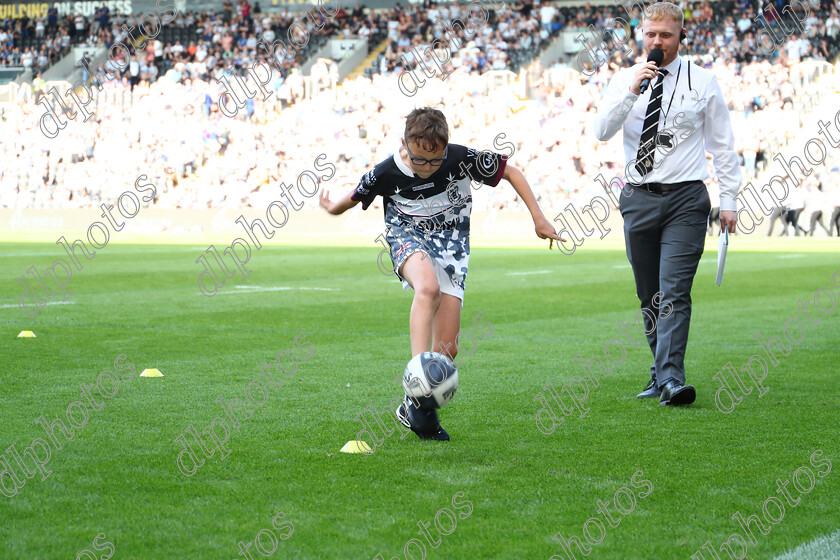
{"x":355,"y":446}
{"x":151,"y":373}
{"x":26,"y":334}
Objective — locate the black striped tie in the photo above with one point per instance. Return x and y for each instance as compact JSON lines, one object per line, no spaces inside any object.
{"x":644,"y":157}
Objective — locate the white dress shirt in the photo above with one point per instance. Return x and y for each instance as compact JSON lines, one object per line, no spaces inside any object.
{"x":795,"y":199}
{"x":698,"y":121}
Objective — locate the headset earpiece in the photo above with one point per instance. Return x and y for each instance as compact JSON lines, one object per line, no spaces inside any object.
{"x":682,"y":34}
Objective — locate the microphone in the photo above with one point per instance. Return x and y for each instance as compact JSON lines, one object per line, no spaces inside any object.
{"x":656,"y":56}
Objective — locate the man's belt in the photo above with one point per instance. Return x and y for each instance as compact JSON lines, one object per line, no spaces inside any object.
{"x":659,"y":188}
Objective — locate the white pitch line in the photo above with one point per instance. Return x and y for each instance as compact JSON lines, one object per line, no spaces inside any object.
{"x":790,"y":256}
{"x":275,"y":289}
{"x":527,"y":273}
{"x":622,"y":266}
{"x":826,"y":547}
{"x":48,"y":303}
{"x":261,"y":288}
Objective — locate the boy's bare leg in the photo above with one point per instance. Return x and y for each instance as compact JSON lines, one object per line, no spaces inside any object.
{"x":420,"y":274}
{"x":447,"y":323}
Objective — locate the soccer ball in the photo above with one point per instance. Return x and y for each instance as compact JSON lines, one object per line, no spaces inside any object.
{"x":430,"y":380}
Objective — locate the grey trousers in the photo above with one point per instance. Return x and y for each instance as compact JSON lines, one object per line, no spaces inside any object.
{"x":664,"y":235}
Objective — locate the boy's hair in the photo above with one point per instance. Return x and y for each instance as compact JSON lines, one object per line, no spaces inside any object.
{"x":427,"y":128}
{"x":665,"y":11}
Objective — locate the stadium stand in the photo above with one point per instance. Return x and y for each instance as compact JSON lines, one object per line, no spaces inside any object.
{"x":160,"y":116}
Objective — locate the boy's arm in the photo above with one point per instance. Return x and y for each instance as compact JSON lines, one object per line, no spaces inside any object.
{"x":338,"y":206}
{"x":542,"y":226}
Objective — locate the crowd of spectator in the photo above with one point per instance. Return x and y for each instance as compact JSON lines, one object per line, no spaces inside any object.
{"x":204,"y":40}
{"x":481,"y":35}
{"x":809,"y":29}
{"x":204,"y":160}
{"x":36,"y":43}
{"x":171,"y":130}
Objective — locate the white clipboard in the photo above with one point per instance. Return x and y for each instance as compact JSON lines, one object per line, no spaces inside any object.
{"x":723,"y":245}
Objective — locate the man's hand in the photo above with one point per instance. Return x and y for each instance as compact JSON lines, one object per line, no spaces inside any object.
{"x":647,"y":70}
{"x":728,"y":220}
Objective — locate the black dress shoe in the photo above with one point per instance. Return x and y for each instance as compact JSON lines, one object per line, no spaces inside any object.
{"x":676,"y":394}
{"x":649,"y":391}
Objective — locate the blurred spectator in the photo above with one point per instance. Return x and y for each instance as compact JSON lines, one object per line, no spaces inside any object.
{"x":160,"y":115}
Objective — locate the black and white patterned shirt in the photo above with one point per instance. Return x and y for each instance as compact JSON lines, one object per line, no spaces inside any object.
{"x":443,"y":199}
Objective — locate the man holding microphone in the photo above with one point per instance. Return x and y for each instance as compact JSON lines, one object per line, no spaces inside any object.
{"x":668,"y":127}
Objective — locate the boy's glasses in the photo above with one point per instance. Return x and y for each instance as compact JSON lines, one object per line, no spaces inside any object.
{"x":420,"y":161}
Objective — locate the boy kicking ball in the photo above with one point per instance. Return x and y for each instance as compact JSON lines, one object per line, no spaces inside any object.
{"x":426,"y":191}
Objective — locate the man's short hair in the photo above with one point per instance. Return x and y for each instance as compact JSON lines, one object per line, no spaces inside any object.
{"x":665,"y":11}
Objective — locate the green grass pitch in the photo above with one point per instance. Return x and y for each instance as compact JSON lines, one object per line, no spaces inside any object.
{"x":118,"y":474}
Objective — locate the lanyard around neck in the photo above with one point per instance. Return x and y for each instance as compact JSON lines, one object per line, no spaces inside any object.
{"x":665,"y":120}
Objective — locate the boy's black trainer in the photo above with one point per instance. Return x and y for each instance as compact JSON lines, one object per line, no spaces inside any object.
{"x":421,"y":421}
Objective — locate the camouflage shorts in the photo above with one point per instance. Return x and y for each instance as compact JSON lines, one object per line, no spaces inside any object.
{"x":447,"y":248}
